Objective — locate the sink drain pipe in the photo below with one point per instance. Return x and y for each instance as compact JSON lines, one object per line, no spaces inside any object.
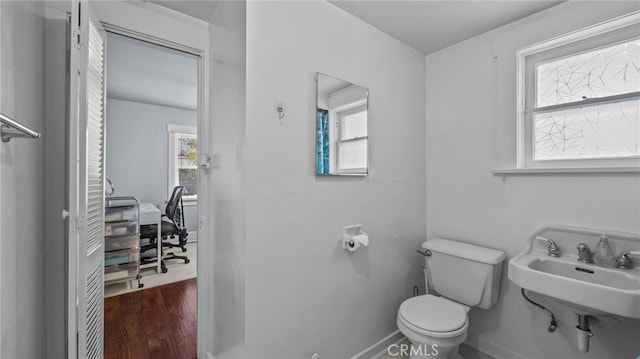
{"x":553,"y":325}
{"x":583,"y":333}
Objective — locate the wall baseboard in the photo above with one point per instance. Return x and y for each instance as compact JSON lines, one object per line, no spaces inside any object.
{"x":379,"y":349}
{"x":495,"y":350}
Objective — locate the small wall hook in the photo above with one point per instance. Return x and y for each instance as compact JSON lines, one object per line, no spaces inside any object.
{"x":280,"y":108}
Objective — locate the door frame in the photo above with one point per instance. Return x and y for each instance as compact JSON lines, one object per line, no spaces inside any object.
{"x":1,"y":150}
{"x":187,"y":34}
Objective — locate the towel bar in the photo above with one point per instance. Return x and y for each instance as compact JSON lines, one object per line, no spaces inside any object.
{"x":13,"y":129}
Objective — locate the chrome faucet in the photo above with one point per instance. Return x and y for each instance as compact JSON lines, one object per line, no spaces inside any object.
{"x":584,"y":253}
{"x":623,"y":261}
{"x":552,"y":248}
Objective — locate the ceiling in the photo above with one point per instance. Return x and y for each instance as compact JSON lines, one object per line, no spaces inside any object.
{"x":328,"y":85}
{"x":429,"y":25}
{"x":200,"y":9}
{"x":425,"y":25}
{"x":142,"y":72}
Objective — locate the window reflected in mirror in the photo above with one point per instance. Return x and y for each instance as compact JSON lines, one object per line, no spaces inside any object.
{"x":342,"y":121}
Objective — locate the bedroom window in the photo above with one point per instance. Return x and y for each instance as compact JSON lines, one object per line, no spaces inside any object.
{"x":183,"y":160}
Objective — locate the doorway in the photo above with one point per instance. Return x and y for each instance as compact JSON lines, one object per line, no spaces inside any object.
{"x":151,"y":155}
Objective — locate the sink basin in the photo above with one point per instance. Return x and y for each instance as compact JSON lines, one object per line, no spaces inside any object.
{"x":585,"y":286}
{"x":578,"y":271}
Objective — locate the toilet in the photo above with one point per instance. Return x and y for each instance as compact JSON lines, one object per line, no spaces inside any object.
{"x":459,"y":276}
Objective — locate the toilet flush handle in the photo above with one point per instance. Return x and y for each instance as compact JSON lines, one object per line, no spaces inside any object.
{"x":424,"y":252}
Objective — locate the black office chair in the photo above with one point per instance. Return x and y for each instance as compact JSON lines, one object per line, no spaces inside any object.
{"x":171,"y":225}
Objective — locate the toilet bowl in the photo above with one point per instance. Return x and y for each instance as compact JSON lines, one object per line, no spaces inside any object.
{"x":435,"y":326}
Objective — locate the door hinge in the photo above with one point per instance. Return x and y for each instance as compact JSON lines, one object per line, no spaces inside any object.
{"x":76,"y":38}
{"x":77,"y":224}
{"x":73,"y":224}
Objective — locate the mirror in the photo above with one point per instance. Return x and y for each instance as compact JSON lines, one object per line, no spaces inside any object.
{"x":342,"y":127}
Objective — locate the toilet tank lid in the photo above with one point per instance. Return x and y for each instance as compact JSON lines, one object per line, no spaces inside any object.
{"x":464,"y":250}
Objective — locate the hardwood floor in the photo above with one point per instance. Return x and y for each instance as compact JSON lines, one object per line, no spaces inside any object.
{"x":153,"y":323}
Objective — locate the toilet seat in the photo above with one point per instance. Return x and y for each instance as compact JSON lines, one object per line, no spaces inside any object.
{"x":433,"y":316}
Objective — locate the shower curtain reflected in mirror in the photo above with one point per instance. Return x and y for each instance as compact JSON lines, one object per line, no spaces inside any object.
{"x":322,"y":139}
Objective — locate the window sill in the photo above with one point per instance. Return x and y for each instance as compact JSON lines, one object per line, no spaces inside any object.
{"x":565,"y":170}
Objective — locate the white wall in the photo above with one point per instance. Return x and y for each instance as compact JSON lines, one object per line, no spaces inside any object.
{"x":470,"y":101}
{"x":137,"y":151}
{"x":55,"y":171}
{"x":22,"y":296}
{"x":305,"y":294}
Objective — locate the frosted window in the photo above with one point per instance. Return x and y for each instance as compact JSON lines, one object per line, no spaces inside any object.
{"x":607,"y":71}
{"x":353,"y":154}
{"x":354,"y":125}
{"x":601,"y":131}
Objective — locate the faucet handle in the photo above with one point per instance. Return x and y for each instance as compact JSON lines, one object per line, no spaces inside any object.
{"x":552,"y":248}
{"x":623,"y":261}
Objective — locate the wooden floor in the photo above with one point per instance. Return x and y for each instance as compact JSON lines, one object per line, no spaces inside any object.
{"x":154,"y":323}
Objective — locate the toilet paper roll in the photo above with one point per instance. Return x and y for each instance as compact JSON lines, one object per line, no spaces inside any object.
{"x":352,"y":243}
{"x":361,"y":238}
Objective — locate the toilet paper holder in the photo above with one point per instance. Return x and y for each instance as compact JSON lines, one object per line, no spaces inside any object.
{"x":353,"y":237}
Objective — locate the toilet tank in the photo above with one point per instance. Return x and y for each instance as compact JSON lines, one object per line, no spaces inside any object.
{"x":463,"y":272}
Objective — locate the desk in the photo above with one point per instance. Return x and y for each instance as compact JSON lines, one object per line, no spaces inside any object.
{"x":150,"y":214}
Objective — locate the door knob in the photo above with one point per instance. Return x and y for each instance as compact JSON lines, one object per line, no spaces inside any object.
{"x":205,"y":162}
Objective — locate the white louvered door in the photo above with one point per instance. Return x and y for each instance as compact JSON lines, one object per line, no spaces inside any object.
{"x":86,"y":187}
